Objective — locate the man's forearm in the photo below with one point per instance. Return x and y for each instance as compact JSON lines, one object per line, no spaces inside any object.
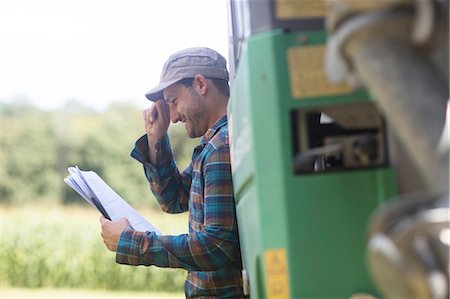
{"x":152,"y":151}
{"x":162,"y":173}
{"x":199,"y":252}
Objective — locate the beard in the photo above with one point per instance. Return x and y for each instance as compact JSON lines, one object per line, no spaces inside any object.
{"x":196,"y":117}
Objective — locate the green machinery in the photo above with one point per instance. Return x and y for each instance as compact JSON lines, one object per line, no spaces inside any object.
{"x":310,"y":165}
{"x":309,"y":168}
{"x":313,"y":162}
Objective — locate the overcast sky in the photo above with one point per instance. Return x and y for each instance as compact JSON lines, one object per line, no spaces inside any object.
{"x":99,"y":51}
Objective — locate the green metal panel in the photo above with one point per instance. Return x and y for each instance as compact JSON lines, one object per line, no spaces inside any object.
{"x":318,"y":219}
{"x":327,"y":217}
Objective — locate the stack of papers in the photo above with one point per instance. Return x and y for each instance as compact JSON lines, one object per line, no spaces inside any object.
{"x":102,"y":197}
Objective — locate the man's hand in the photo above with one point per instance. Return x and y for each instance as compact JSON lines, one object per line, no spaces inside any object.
{"x":157,"y":119}
{"x":111,"y":231}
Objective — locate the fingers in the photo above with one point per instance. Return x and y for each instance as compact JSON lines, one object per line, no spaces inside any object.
{"x":158,"y":109}
{"x":153,"y":113}
{"x":150,"y":114}
{"x":125,"y":222}
{"x":103,"y":220}
{"x":162,"y":110}
{"x":111,"y":231}
{"x":166,"y":110}
{"x":157,"y":119}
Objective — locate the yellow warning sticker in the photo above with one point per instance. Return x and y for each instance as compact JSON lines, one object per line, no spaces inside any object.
{"x":364,"y":6}
{"x":307,"y":73}
{"x":277,"y":279}
{"x":298,"y":9}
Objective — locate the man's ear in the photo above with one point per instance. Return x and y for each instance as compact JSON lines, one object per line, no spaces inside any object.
{"x":200,"y":84}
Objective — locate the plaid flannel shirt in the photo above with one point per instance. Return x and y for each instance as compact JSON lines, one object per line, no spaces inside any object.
{"x":210,"y":252}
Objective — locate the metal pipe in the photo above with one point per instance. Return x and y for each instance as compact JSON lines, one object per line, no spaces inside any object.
{"x":409,"y":91}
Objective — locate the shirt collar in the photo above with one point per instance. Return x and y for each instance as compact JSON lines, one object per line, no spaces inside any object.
{"x":213,"y":130}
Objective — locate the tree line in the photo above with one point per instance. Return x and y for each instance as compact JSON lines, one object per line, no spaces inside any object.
{"x":37,"y":147}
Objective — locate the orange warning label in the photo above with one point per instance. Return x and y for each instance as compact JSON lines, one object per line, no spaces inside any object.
{"x":277,"y":279}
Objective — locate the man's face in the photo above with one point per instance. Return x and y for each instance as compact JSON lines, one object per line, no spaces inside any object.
{"x":187,"y":106}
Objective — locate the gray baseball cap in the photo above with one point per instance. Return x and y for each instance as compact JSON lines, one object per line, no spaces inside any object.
{"x":188,"y":63}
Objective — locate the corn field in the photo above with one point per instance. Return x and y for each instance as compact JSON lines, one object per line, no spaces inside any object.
{"x":61,"y":247}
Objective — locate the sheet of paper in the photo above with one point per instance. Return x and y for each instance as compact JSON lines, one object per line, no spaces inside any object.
{"x":114,"y":205}
{"x":74,"y":184}
{"x":75,"y":174}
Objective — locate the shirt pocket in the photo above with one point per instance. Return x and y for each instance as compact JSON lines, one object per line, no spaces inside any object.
{"x":196,"y":200}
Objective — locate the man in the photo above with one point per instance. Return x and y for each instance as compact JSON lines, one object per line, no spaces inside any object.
{"x":194,"y":90}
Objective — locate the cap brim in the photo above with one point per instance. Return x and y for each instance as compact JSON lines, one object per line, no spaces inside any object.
{"x":156,"y":93}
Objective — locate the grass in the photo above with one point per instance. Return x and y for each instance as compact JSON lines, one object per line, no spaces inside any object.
{"x":61,"y":247}
{"x":16,"y":293}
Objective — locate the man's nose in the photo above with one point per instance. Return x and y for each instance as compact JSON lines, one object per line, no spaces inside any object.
{"x":174,"y":115}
